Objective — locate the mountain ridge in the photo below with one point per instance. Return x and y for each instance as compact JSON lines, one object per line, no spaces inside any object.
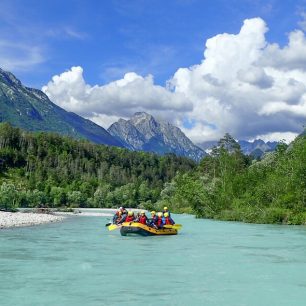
{"x":32,"y":110}
{"x":142,"y":132}
{"x":257,"y":147}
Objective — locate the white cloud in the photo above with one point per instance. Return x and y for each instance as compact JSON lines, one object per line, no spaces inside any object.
{"x":244,"y":85}
{"x":255,"y":76}
{"x":65,"y":32}
{"x":277,"y":136}
{"x":104,"y":120}
{"x":119,"y":98}
{"x":19,"y":56}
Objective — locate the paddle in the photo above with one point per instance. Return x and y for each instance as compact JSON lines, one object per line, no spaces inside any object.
{"x":174,"y":226}
{"x":113,"y":227}
{"x":108,"y":224}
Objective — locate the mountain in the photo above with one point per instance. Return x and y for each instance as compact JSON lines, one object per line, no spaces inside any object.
{"x":144,"y":133}
{"x":32,"y":110}
{"x":257,"y":147}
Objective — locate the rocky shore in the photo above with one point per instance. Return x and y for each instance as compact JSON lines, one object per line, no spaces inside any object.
{"x":18,"y":219}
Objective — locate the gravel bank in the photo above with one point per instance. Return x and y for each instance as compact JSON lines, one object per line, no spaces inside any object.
{"x":8,"y":219}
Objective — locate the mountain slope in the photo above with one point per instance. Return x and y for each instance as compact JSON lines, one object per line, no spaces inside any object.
{"x":144,"y":132}
{"x":32,"y":110}
{"x":257,"y":147}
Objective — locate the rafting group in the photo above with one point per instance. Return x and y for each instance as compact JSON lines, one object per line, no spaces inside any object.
{"x":157,"y":220}
{"x":131,"y":222}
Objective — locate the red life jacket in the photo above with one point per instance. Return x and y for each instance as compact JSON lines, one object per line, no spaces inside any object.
{"x":129,"y":219}
{"x":159,"y":221}
{"x":168,"y":221}
{"x":143,"y":219}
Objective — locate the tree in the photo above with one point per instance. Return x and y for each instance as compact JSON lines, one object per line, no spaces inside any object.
{"x":36,"y":198}
{"x":100,"y":195}
{"x":76,"y":199}
{"x":58,"y":196}
{"x":8,"y":196}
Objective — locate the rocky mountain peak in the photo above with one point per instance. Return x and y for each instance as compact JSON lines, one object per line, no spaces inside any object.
{"x":9,"y":79}
{"x":144,"y":133}
{"x":257,"y":147}
{"x":31,"y":109}
{"x":140,"y":118}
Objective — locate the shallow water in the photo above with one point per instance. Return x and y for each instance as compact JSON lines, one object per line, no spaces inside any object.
{"x":78,"y":262}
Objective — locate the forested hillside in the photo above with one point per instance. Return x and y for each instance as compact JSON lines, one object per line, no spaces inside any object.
{"x":48,"y":169}
{"x":227,"y":185}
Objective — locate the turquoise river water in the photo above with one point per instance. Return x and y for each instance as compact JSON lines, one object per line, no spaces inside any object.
{"x":78,"y":262}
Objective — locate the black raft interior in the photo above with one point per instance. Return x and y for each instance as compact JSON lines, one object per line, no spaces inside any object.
{"x":135,"y":228}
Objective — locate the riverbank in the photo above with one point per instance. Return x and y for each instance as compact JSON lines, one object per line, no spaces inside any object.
{"x":27,"y":218}
{"x":18,"y":219}
{"x":271,"y":215}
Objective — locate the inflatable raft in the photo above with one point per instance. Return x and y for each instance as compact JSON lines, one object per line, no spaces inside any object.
{"x":129,"y":228}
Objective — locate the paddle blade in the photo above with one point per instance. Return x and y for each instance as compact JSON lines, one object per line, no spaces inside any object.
{"x":113,"y":227}
{"x":175,"y":226}
{"x":108,"y":224}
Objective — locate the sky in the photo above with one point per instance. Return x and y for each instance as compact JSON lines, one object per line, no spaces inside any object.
{"x":209,"y":67}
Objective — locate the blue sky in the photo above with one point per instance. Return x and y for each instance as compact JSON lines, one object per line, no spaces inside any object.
{"x":109,"y":38}
{"x":148,"y":55}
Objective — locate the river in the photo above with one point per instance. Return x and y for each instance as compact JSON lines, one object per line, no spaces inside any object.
{"x":78,"y":262}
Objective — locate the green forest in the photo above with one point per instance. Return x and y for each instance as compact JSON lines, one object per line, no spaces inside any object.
{"x":43,"y":169}
{"x":228,"y":185}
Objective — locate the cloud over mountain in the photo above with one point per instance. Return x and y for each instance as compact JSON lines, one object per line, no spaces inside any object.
{"x":244,"y":85}
{"x":121,"y":97}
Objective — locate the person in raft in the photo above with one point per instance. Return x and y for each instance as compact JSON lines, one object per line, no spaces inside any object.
{"x":153,"y":220}
{"x":166,"y":210}
{"x":124,"y":215}
{"x":167,"y":219}
{"x":137,"y":217}
{"x":130,"y":217}
{"x":160,"y":220}
{"x":143,"y":218}
{"x":117,"y":216}
{"x":123,"y":210}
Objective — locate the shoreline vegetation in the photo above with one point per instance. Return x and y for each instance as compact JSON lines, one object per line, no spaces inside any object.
{"x":48,"y":170}
{"x":230,"y":186}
